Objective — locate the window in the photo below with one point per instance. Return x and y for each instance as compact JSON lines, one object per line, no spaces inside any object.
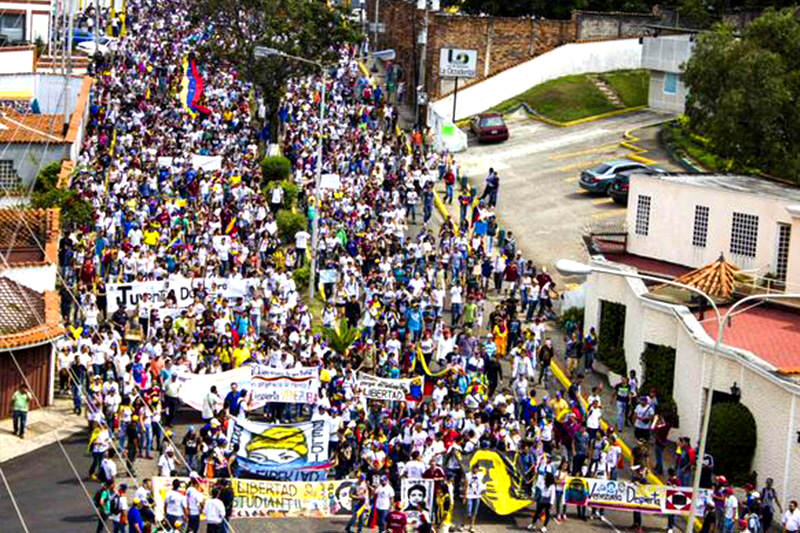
{"x":643,"y":215}
{"x":782,"y":253}
{"x":12,"y":26}
{"x":744,"y":234}
{"x":700,"y":233}
{"x":670,"y":83}
{"x":8,"y":176}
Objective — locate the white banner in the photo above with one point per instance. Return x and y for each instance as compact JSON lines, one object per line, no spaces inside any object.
{"x":206,"y":162}
{"x":195,"y":387}
{"x":180,"y":288}
{"x":263,"y":448}
{"x":285,"y":385}
{"x":375,"y":388}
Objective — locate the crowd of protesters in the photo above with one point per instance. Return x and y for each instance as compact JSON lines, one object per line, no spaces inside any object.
{"x":455,"y":302}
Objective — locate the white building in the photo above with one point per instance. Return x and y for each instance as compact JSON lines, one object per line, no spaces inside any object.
{"x":25,"y":21}
{"x":690,"y":219}
{"x":760,"y":355}
{"x":664,"y":56}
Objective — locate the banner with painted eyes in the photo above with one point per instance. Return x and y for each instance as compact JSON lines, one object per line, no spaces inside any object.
{"x":262,"y":450}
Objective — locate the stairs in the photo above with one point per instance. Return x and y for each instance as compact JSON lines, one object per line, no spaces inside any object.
{"x":607,"y":91}
{"x":46,"y":63}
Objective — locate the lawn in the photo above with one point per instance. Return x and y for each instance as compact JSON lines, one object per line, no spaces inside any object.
{"x":630,"y":85}
{"x":562,"y":99}
{"x":674,"y":136}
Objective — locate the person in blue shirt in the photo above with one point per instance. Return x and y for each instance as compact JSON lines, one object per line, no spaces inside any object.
{"x":414,"y":319}
{"x":135,"y":520}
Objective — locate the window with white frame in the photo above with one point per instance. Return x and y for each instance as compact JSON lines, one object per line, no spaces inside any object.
{"x":744,"y":234}
{"x":700,"y":232}
{"x":782,"y":253}
{"x":643,"y":215}
{"x":8,"y":176}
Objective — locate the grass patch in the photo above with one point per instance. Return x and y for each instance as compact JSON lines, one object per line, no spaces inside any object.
{"x":630,"y":85}
{"x":563,"y":99}
{"x":685,"y":144}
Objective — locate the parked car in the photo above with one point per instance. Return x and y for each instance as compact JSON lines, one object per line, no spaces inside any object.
{"x":618,"y":190}
{"x":103,"y":45}
{"x":599,"y":178}
{"x":489,"y":127}
{"x":81,"y":36}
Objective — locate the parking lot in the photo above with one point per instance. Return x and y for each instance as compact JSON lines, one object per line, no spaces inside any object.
{"x":539,"y":167}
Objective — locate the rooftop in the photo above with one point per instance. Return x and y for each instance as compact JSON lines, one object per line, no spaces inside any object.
{"x":732,"y":183}
{"x":25,"y":232}
{"x":27,"y":317}
{"x":771,"y":333}
{"x":16,"y":128}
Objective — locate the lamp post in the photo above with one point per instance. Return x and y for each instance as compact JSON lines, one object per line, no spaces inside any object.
{"x":569,"y":267}
{"x":263,"y":52}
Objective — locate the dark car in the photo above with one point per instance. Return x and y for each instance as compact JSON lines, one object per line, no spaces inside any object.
{"x":489,"y":127}
{"x":600,"y":177}
{"x":618,"y":190}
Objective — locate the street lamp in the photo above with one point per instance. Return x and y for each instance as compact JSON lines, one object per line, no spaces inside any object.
{"x":568,"y":267}
{"x":264,"y":52}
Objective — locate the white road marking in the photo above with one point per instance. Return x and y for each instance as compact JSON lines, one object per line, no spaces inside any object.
{"x":607,"y":522}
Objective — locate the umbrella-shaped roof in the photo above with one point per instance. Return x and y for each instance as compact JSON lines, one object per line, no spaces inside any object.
{"x":716,"y":279}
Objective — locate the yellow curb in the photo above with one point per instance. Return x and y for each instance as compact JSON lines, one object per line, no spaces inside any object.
{"x":364,"y":70}
{"x":637,"y":150}
{"x":575,"y":122}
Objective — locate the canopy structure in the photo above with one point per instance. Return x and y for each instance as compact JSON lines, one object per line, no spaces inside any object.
{"x":716,"y":279}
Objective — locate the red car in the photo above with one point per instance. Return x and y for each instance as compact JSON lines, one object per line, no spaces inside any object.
{"x":489,"y":127}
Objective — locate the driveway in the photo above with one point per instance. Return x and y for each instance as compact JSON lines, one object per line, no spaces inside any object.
{"x":540,"y":200}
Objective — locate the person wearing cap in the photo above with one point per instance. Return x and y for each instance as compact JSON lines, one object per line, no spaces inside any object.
{"x":20,"y":401}
{"x":119,"y":509}
{"x":396,"y":520}
{"x":135,"y":520}
{"x":166,"y":463}
{"x":731,"y":510}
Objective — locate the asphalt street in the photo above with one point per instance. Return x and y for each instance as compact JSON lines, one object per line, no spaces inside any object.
{"x":539,"y":166}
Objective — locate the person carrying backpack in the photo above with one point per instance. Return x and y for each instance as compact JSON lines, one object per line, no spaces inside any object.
{"x":101,"y":501}
{"x":118,"y":509}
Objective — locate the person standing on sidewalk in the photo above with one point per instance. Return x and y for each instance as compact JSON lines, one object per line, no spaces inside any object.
{"x":20,"y":402}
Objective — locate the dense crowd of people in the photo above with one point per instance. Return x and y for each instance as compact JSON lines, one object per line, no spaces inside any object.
{"x":456,"y":302}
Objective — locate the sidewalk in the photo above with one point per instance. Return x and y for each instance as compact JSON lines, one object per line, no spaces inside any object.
{"x":45,"y":426}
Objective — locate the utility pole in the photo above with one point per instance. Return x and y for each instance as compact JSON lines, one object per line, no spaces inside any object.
{"x":68,"y":70}
{"x":423,"y":40}
{"x":375,"y":27}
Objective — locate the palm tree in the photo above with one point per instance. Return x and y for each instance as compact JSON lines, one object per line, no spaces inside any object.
{"x":341,"y":337}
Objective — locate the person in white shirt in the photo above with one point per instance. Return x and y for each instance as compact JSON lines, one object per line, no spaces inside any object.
{"x":210,"y":403}
{"x":415,"y":468}
{"x":119,"y":503}
{"x":384,"y":496}
{"x":791,"y":518}
{"x":214,"y":510}
{"x":194,"y":504}
{"x":174,"y":504}
{"x":166,"y":463}
{"x":474,"y":488}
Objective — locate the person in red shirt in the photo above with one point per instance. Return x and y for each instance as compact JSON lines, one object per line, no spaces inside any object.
{"x":397,"y":520}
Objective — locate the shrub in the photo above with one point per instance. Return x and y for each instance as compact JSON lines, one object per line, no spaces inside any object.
{"x":611,"y":341}
{"x":732,"y":440}
{"x":290,"y":223}
{"x":275,"y":168}
{"x":301,"y":277}
{"x":658,"y":366}
{"x":573,"y":315}
{"x":47,"y":178}
{"x":341,"y":337}
{"x":290,"y":192}
{"x":75,"y":210}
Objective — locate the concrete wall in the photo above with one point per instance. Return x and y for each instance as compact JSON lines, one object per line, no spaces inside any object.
{"x":597,"y":25}
{"x":659,"y":99}
{"x":671,"y":225}
{"x":575,"y":58}
{"x":29,"y":159}
{"x":15,"y":59}
{"x":501,"y":42}
{"x":771,"y":398}
{"x":39,"y":278}
{"x":47,"y":88}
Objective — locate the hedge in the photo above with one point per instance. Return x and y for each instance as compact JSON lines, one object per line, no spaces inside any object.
{"x":611,"y":341}
{"x":274,"y":168}
{"x":290,"y":223}
{"x":573,"y":315}
{"x":658,"y":367}
{"x":301,"y":277}
{"x":732,"y":441}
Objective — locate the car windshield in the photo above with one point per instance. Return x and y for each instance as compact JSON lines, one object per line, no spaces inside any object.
{"x":600,"y":169}
{"x":492,"y":122}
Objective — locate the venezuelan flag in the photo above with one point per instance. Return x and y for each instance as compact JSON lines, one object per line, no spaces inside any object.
{"x":231,"y":225}
{"x":192,"y":87}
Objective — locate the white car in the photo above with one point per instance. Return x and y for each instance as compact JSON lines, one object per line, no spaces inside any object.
{"x":104,"y":46}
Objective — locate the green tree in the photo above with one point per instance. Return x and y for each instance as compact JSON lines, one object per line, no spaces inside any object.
{"x":743,"y":93}
{"x":732,"y":439}
{"x":311,"y":30}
